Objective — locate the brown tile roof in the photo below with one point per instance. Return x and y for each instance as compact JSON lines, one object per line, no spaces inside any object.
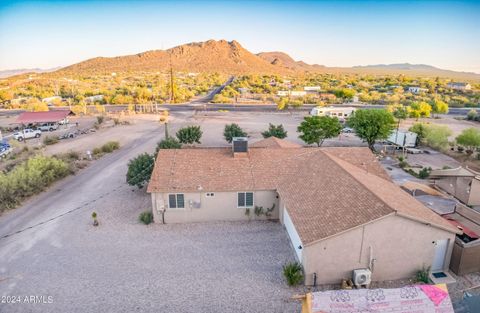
{"x":274,"y":142}
{"x":326,"y":190}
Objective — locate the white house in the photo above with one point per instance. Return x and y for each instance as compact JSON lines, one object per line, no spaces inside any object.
{"x":459,"y":86}
{"x":291,"y":93}
{"x":340,"y":112}
{"x":416,"y":89}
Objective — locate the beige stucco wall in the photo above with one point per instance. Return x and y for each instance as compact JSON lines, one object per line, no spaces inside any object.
{"x":221,"y":207}
{"x":400,"y":247}
{"x":460,"y":188}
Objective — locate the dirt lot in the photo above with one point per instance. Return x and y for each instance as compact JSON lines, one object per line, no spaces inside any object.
{"x":456,"y":125}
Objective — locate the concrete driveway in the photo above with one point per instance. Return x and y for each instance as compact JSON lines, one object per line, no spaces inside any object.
{"x":124,"y":266}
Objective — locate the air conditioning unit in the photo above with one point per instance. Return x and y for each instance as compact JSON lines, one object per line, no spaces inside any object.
{"x":362,"y":277}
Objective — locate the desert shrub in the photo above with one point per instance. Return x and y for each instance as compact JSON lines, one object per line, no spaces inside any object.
{"x":168,"y":143}
{"x":29,"y":178}
{"x":275,"y":131}
{"x":97,"y":151}
{"x":189,"y":135}
{"x":146,"y":217}
{"x":100,"y":119}
{"x":472,"y":115}
{"x":49,"y":140}
{"x":233,"y":130}
{"x":424,"y":172}
{"x":116,"y":121}
{"x":437,"y":136}
{"x":110,"y":146}
{"x":422,"y":275}
{"x":293,"y":273}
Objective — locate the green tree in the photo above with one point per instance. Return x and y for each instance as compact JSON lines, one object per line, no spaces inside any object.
{"x":437,"y":136}
{"x":439,"y":107}
{"x":275,"y":131}
{"x":470,"y":139}
{"x":372,"y":125}
{"x":315,"y":129}
{"x":140,"y":169}
{"x":345,"y":93}
{"x":168,"y":143}
{"x":419,"y":109}
{"x":189,"y":135}
{"x":420,"y":129}
{"x":233,"y":130}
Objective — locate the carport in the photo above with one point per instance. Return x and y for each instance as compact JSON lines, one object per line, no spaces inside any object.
{"x":57,"y":116}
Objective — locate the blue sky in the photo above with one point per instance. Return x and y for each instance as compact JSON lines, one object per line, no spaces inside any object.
{"x":334,"y":33}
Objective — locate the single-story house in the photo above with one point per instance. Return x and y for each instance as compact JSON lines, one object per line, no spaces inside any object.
{"x":459,"y":86}
{"x":462,"y":183}
{"x":339,"y":207}
{"x":416,"y":89}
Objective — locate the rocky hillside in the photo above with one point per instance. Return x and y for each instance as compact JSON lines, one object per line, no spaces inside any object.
{"x":210,"y":56}
{"x":229,"y":57}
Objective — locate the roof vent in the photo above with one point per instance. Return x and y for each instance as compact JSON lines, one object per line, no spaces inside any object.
{"x":240,"y":146}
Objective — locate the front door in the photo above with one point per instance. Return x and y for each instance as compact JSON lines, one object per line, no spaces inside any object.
{"x":441,"y":247}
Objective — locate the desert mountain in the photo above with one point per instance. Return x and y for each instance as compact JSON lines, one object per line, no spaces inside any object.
{"x":13,"y":72}
{"x":210,"y":56}
{"x":231,"y":58}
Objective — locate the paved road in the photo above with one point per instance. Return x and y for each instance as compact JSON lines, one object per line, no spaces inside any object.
{"x":201,"y":105}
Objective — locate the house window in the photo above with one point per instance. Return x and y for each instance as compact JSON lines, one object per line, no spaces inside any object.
{"x":176,"y":201}
{"x":245,"y":200}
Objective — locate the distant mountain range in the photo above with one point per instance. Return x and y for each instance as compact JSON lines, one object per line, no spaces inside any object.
{"x":8,"y":73}
{"x":231,"y":58}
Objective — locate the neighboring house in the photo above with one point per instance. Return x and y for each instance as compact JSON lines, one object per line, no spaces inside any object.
{"x":93,"y":99}
{"x":416,"y":89}
{"x":339,"y":207}
{"x":52,"y":100}
{"x":291,"y":93}
{"x":312,"y":89}
{"x":339,"y":112}
{"x":462,"y":183}
{"x":459,"y":86}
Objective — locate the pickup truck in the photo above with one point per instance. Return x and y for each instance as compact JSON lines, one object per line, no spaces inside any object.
{"x":48,"y":127}
{"x":27,"y":134}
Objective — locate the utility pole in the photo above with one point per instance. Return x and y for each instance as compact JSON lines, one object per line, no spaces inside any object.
{"x":172,"y":94}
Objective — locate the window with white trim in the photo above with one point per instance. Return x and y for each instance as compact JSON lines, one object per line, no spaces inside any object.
{"x":176,"y":201}
{"x":245,"y":199}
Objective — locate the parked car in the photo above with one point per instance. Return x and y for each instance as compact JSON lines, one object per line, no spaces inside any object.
{"x":48,"y":127}
{"x":347,"y":130}
{"x":27,"y":133}
{"x":5,"y":149}
{"x":65,"y":121}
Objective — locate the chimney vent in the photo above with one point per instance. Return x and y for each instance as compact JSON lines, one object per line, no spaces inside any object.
{"x":240,"y":146}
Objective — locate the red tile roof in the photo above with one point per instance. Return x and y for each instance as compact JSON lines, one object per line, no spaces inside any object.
{"x":42,"y":117}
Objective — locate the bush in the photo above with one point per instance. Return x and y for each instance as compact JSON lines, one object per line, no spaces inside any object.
{"x":424,"y":173}
{"x":168,"y":143}
{"x":275,"y":131}
{"x":140,"y":169}
{"x":422,"y":275}
{"x":472,"y":115}
{"x":233,"y":130}
{"x":29,"y":178}
{"x":189,"y":135}
{"x":48,"y":140}
{"x":110,"y":146}
{"x":100,"y":119}
{"x":293,"y":273}
{"x":146,"y":217}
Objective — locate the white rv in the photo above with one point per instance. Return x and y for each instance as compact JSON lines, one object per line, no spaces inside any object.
{"x":341,"y":113}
